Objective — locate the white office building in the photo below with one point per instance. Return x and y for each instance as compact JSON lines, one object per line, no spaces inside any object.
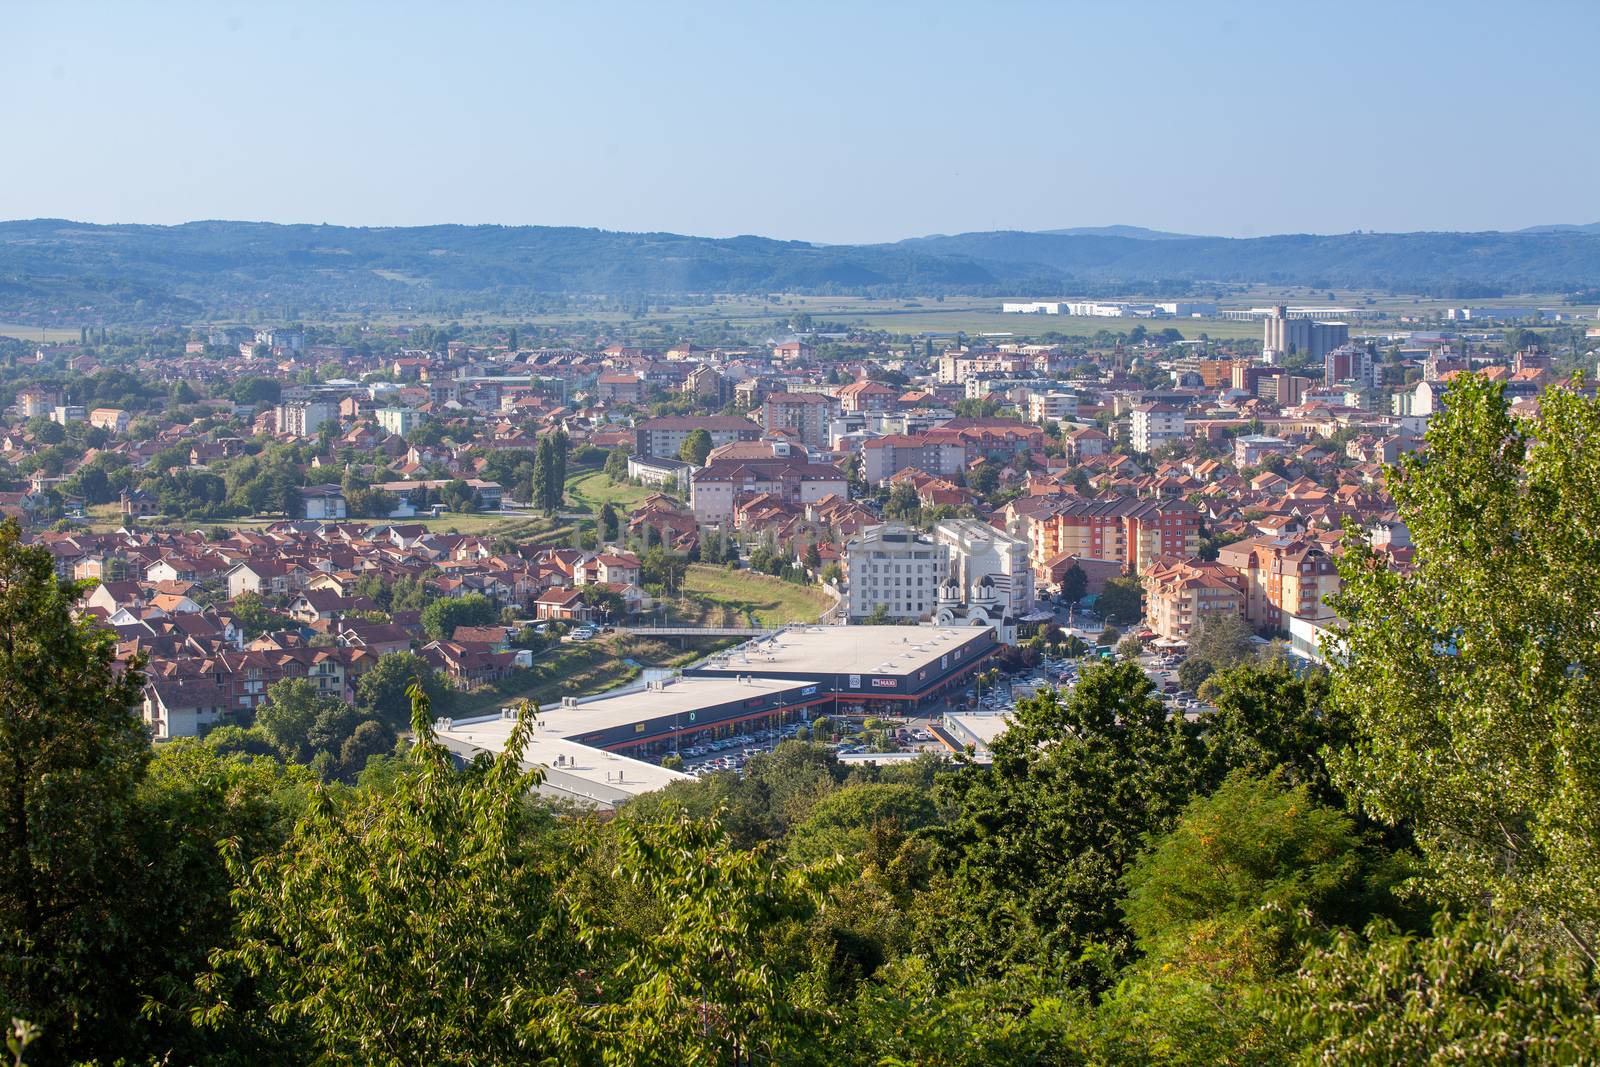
{"x":895,"y":567}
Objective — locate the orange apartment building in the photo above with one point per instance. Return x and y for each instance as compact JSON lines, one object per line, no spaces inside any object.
{"x":1131,"y":531}
{"x":1286,"y":577}
{"x":1181,"y":594}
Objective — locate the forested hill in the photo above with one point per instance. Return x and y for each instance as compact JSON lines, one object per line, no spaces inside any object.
{"x":1413,"y":262}
{"x":58,"y":271}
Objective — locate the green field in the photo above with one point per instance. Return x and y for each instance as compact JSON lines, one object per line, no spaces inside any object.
{"x":973,"y":316}
{"x":37,"y":333}
{"x":589,"y":490}
{"x":771,"y":601}
{"x":912,"y":317}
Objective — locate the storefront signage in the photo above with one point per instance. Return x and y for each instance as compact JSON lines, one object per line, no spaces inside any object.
{"x":886,"y":683}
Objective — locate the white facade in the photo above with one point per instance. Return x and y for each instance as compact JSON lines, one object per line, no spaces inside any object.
{"x":1043,"y":407}
{"x":894,"y":567}
{"x":977,"y":553}
{"x":1153,"y":425}
{"x":302,"y":418}
{"x":400,"y":421}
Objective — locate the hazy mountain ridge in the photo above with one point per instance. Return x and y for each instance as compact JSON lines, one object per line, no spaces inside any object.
{"x":54,"y":270}
{"x":1120,"y":230}
{"x":1428,"y":260}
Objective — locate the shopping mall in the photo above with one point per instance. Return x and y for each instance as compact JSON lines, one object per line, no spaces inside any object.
{"x":599,"y":749}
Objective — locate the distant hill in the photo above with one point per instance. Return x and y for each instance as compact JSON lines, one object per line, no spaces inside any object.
{"x":1413,"y":262}
{"x":1563,"y":227}
{"x":1138,"y":233}
{"x":56,"y":271}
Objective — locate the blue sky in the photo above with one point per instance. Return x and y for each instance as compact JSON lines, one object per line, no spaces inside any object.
{"x":816,"y":121}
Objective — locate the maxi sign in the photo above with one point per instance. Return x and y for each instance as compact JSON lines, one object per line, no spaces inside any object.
{"x":886,"y":683}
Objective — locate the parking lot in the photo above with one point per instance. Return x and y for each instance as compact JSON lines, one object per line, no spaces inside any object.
{"x":1161,"y":669}
{"x":997,"y":698}
{"x":732,"y":753}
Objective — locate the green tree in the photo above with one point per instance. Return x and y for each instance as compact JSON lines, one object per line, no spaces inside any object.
{"x":666,"y":569}
{"x":544,"y":473}
{"x":458,"y":496}
{"x":695,"y":448}
{"x":1471,"y":679}
{"x":1074,"y":584}
{"x":1473,"y":992}
{"x":1122,"y":601}
{"x":616,"y":467}
{"x":903,"y":504}
{"x":1247,"y":872}
{"x":289,"y":713}
{"x":558,"y":481}
{"x":371,"y":737}
{"x":440,"y":618}
{"x":701,"y":978}
{"x":1270,"y":719}
{"x":843,"y":821}
{"x":407,"y":927}
{"x":250,"y":611}
{"x":71,"y":758}
{"x":984,"y":479}
{"x":384,"y":689}
{"x":1222,"y":641}
{"x":609,"y":522}
{"x":1034,"y":851}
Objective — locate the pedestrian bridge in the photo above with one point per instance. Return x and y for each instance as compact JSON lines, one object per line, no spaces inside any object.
{"x":696,"y":631}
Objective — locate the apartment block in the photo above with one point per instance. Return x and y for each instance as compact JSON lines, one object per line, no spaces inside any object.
{"x":1045,"y":407}
{"x":806,"y":415}
{"x":1181,"y":594}
{"x":399,"y":421}
{"x":302,"y":418}
{"x":716,"y":489}
{"x":1153,"y":425}
{"x":1128,"y":530}
{"x":664,"y":436}
{"x":1287,"y":578}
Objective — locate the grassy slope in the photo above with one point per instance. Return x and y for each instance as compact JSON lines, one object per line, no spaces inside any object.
{"x":580,"y":670}
{"x":773,"y":601}
{"x":589,"y":490}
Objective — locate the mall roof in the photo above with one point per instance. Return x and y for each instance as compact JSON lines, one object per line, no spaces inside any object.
{"x":675,"y":697}
{"x":845,"y":650}
{"x":578,"y":772}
